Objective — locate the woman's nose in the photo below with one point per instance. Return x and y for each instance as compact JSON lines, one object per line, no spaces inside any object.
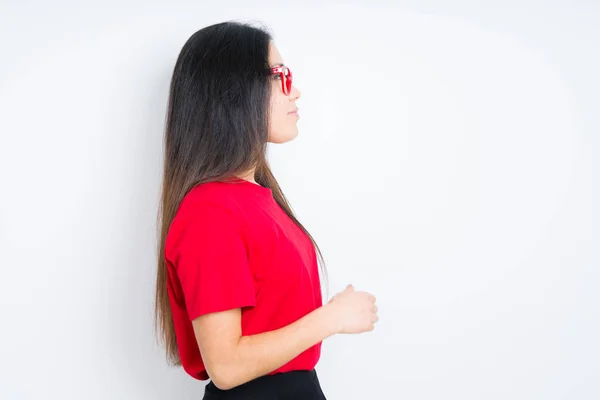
{"x":295,"y":94}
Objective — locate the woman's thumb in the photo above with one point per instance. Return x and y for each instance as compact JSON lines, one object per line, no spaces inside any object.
{"x":350,"y":288}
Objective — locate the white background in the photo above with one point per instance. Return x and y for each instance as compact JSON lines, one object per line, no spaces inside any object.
{"x":444,"y":163}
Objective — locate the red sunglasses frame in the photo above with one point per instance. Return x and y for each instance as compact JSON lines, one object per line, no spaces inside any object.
{"x":286,"y":78}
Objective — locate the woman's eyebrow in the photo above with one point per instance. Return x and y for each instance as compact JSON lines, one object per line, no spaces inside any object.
{"x":277,"y":65}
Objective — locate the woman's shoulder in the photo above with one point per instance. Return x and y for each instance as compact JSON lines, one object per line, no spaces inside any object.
{"x":206,"y":207}
{"x":231,"y":204}
{"x":208,"y":197}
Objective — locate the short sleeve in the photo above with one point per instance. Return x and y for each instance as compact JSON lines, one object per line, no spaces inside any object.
{"x":211,"y":261}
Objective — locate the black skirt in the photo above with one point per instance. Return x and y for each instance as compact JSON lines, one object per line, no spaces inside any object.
{"x":293,"y":385}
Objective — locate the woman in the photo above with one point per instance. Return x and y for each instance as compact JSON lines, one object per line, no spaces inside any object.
{"x":238,"y":295}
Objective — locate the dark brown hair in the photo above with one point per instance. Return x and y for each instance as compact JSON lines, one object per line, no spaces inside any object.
{"x":216,"y":128}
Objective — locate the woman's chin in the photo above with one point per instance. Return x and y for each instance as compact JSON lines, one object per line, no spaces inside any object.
{"x":284,"y":137}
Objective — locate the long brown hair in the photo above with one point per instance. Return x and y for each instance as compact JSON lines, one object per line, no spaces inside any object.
{"x":216,"y":128}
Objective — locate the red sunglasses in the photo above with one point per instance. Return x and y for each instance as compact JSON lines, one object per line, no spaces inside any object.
{"x":286,"y":78}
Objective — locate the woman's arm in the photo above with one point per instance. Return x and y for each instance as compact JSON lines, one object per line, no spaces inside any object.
{"x":232,"y":359}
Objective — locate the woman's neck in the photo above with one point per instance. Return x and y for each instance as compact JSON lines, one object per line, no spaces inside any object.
{"x":249,"y":176}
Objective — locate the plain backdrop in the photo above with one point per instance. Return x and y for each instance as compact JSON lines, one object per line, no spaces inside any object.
{"x":444,"y":163}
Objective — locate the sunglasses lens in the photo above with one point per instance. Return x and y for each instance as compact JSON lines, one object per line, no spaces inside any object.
{"x":288,"y":80}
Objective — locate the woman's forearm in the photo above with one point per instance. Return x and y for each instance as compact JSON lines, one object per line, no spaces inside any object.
{"x":260,"y":354}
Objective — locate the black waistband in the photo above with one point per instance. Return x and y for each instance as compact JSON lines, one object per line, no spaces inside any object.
{"x":288,"y":385}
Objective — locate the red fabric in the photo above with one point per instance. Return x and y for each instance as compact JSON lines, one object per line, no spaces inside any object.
{"x":232,"y":246}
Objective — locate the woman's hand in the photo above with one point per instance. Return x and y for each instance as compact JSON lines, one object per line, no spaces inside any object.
{"x":353,"y":311}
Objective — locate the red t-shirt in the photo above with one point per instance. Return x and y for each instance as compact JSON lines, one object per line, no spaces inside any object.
{"x":230,"y":246}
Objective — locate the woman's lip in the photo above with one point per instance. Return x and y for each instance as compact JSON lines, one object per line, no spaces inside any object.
{"x":294,"y":112}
